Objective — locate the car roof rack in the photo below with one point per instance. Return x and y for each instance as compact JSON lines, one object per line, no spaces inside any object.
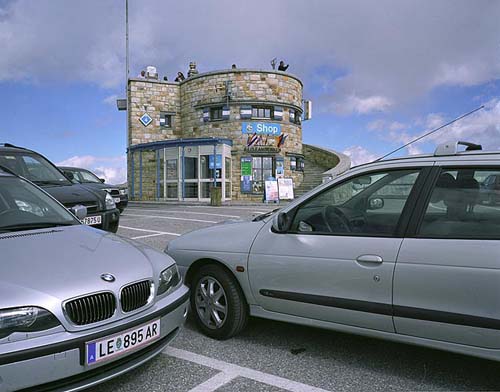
{"x":451,"y":148}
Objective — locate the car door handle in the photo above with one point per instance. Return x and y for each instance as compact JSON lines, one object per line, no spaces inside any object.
{"x":370,"y":259}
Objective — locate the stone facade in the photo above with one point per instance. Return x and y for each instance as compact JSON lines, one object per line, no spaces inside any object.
{"x":186,"y":102}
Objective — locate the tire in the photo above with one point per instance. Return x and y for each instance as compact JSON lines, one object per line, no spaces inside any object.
{"x":211,"y":279}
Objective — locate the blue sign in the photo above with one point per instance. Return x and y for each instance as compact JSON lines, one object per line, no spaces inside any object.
{"x":218,"y":161}
{"x":146,"y":119}
{"x":91,"y":353}
{"x":259,"y":128}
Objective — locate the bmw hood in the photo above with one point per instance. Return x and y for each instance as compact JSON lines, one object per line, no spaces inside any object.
{"x":52,"y":265}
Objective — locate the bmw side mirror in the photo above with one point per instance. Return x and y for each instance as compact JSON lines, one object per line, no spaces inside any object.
{"x":102,"y":180}
{"x":70,"y":175}
{"x":281,"y":222}
{"x":376,"y":203}
{"x":79,"y":211}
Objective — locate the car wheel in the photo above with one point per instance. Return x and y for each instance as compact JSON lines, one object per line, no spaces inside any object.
{"x":218,"y":304}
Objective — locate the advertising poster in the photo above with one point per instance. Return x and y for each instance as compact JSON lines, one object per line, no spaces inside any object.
{"x":285,"y":187}
{"x":246,"y":174}
{"x":280,"y":167}
{"x":271,"y":187}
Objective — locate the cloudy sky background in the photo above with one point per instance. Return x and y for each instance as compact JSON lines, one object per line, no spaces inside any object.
{"x":379,"y":73}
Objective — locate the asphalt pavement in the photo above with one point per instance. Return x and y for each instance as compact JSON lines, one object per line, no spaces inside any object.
{"x":275,"y":356}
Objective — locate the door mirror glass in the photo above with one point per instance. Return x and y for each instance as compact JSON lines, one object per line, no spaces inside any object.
{"x":70,"y":175}
{"x":375,"y":203}
{"x":281,"y":222}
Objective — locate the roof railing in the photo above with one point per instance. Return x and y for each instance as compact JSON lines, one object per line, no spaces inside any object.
{"x":451,"y":148}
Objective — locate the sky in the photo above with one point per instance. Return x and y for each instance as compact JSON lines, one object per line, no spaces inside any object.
{"x":379,"y":73}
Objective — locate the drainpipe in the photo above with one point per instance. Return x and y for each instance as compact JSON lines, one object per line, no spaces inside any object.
{"x":183,"y":175}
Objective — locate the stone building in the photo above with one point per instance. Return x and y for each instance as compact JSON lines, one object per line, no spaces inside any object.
{"x":231,"y":129}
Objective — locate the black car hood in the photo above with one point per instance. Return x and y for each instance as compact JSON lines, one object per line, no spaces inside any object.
{"x":74,"y":194}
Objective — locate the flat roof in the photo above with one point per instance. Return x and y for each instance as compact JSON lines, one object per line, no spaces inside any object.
{"x":203,"y":141}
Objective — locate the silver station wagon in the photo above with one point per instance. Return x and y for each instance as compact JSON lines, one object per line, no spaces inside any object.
{"x":405,"y":249}
{"x":78,"y":305}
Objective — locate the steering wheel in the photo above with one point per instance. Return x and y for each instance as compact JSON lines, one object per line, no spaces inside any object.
{"x":336,"y":220}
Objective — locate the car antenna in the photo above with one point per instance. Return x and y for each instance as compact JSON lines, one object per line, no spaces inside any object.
{"x":430,"y":132}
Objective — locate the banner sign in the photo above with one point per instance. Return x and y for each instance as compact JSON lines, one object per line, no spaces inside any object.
{"x":271,"y":189}
{"x":285,"y":186}
{"x":246,"y":174}
{"x":259,"y":128}
{"x":218,"y":161}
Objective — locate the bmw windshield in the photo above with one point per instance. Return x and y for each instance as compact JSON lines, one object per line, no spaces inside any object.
{"x":25,"y":207}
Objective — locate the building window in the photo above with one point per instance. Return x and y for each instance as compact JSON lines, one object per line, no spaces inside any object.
{"x":165,"y":120}
{"x":262,"y":169}
{"x":295,"y":116}
{"x":216,"y":113}
{"x":262,"y":112}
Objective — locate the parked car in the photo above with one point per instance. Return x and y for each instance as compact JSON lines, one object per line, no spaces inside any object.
{"x":78,"y":306}
{"x":90,"y":180}
{"x":411,"y":256}
{"x":101,"y":208}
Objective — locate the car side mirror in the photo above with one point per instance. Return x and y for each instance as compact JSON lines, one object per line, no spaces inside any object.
{"x":70,"y":175}
{"x":79,"y":211}
{"x":102,"y":180}
{"x":376,"y":203}
{"x":281,"y":222}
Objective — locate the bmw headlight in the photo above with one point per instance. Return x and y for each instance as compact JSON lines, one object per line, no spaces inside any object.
{"x":124,"y":191}
{"x":26,"y":319}
{"x":169,"y":279}
{"x":110,"y":203}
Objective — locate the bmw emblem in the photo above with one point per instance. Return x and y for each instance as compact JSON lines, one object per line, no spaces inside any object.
{"x":108,"y":278}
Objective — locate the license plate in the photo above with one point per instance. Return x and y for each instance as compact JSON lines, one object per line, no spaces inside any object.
{"x":92,"y":220}
{"x":120,"y":344}
{"x":116,"y":199}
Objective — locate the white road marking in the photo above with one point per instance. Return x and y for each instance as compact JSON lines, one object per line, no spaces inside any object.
{"x":215,"y":382}
{"x":234,"y":208}
{"x":189,"y":212}
{"x":235,"y":370}
{"x":170,"y":217}
{"x":156,"y":232}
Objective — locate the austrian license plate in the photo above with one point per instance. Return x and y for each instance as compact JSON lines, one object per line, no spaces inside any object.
{"x":92,"y":220}
{"x":118,"y":345}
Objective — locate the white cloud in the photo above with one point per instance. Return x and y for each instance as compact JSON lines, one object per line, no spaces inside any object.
{"x":110,"y":100}
{"x":359,"y":155}
{"x":390,"y":52}
{"x":113,"y":169}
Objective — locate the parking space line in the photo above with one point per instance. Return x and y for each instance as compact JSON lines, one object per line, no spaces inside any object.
{"x":170,"y":217}
{"x":235,"y":370}
{"x":215,"y":382}
{"x":190,"y":212}
{"x":155,"y":232}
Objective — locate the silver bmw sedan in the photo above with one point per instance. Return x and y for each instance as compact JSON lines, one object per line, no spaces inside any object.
{"x":78,"y":305}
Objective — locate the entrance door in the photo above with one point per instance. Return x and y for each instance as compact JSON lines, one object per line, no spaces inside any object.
{"x":263,"y":168}
{"x":336,"y":262}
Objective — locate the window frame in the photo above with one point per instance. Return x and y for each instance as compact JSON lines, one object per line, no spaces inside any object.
{"x":418,"y":215}
{"x":216,"y":109}
{"x":168,"y":119}
{"x":406,"y":213}
{"x":263,"y":107}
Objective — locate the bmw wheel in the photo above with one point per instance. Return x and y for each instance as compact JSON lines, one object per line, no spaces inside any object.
{"x":218,"y":304}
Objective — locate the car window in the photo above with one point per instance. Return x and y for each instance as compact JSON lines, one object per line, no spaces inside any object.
{"x":465,"y":203}
{"x":23,"y":205}
{"x":370,"y":204}
{"x":89,"y":177}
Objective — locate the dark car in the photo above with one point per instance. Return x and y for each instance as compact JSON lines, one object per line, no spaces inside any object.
{"x":101,"y":209}
{"x":90,"y":180}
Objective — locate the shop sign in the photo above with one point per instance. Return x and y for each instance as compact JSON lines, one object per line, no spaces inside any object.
{"x":285,"y":187}
{"x":260,"y":128}
{"x":271,"y":190}
{"x":263,"y":149}
{"x":218,"y":161}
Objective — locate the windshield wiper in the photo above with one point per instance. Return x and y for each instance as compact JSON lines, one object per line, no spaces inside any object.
{"x":32,"y":226}
{"x":264,"y":216}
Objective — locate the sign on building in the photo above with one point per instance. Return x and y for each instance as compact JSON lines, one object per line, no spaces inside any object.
{"x":260,"y":128}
